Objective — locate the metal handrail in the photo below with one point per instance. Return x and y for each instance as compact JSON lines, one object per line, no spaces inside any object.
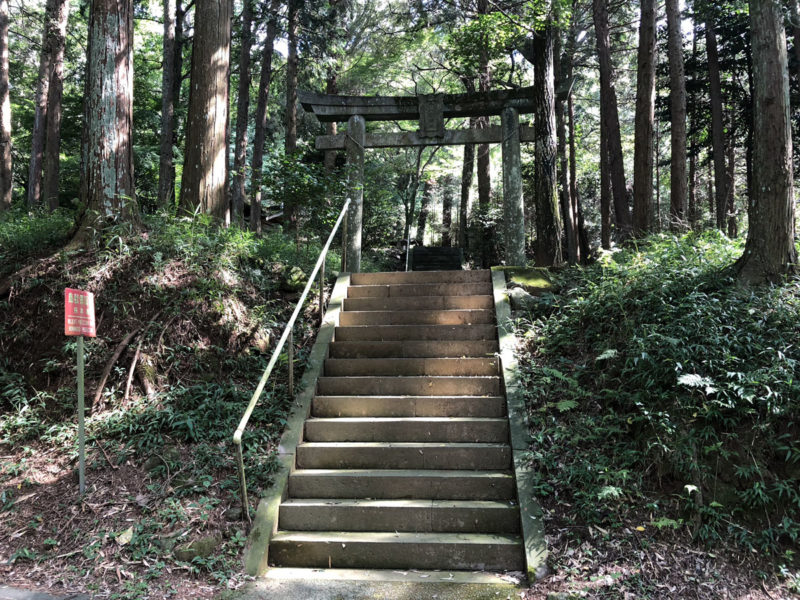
{"x":287,"y":335}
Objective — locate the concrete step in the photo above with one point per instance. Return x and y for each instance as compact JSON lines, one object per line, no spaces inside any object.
{"x":415,"y":333}
{"x":408,"y":406}
{"x":408,"y":386}
{"x":399,"y":277}
{"x":344,"y":367}
{"x":420,"y":303}
{"x":403,"y":455}
{"x":419,"y":289}
{"x":410,"y":349}
{"x":397,"y":550}
{"x":446,"y":516}
{"x":402,"y":483}
{"x":416,"y":317}
{"x":407,"y":429}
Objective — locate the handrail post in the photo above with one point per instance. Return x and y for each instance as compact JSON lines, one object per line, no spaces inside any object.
{"x":290,"y":342}
{"x":242,"y":483}
{"x":286,"y":337}
{"x":344,"y":246}
{"x":322,"y":292}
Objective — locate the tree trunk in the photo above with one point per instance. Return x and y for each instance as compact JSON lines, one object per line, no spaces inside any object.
{"x":467,"y":170}
{"x":548,"y":223}
{"x":694,"y":207}
{"x":769,"y":252}
{"x":55,"y":13}
{"x":733,"y":228}
{"x":610,"y":116}
{"x":717,"y":127}
{"x":205,"y":166}
{"x":677,"y":103}
{"x":6,"y":171}
{"x":52,"y":152}
{"x":447,"y":212}
{"x":260,"y":135}
{"x":565,"y":199}
{"x":794,"y":8}
{"x":645,"y":121}
{"x":108,"y":191}
{"x":290,"y":141}
{"x":331,"y":87}
{"x":239,"y":193}
{"x":422,"y":219}
{"x":484,"y":161}
{"x":605,"y":190}
{"x":166,"y":164}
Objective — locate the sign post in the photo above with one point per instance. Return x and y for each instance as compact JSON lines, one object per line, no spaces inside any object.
{"x":79,"y":321}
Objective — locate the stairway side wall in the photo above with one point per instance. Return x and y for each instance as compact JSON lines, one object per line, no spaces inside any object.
{"x":531,"y":512}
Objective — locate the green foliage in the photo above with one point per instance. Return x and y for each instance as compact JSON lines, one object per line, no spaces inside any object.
{"x":24,"y":233}
{"x":684,"y":382}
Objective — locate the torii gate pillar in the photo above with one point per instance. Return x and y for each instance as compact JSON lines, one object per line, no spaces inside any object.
{"x":354,"y":147}
{"x":513,"y":208}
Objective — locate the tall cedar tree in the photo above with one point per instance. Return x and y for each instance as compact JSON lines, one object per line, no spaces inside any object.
{"x":53,"y":40}
{"x":169,"y":98}
{"x":238,"y":194}
{"x":721,"y":183}
{"x":52,"y":148}
{"x":562,"y":77}
{"x":483,"y":158}
{"x":205,"y":166}
{"x":770,"y":252}
{"x":645,"y":117}
{"x":677,"y":113}
{"x":610,"y":116}
{"x":5,"y":113}
{"x":290,"y":141}
{"x":107,"y":156}
{"x":548,"y":223}
{"x":260,"y":134}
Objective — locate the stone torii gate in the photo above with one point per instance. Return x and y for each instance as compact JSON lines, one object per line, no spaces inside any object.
{"x":431,"y":111}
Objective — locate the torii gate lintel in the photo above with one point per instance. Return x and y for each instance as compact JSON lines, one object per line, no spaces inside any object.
{"x":430,"y":110}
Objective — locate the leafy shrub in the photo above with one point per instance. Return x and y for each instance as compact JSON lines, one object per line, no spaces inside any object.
{"x":685,"y":381}
{"x":23,"y":233}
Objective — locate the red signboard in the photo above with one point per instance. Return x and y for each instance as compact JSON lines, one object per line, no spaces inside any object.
{"x":79,"y":313}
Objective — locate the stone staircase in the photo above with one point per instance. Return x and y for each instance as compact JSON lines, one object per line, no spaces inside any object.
{"x":405,"y":460}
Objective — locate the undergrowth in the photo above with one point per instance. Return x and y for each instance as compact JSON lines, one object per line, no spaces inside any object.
{"x":23,"y":233}
{"x":207,"y":304}
{"x":661,"y":390}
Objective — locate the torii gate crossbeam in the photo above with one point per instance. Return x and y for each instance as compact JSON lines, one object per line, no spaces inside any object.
{"x":430,"y":110}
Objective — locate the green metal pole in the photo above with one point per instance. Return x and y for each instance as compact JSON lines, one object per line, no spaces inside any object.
{"x":81,"y":436}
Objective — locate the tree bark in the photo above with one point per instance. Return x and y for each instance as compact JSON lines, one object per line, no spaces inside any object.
{"x":483,"y":159}
{"x":422,"y":219}
{"x":331,"y":87}
{"x":52,"y":154}
{"x":6,"y":171}
{"x":260,"y":134}
{"x":733,"y":228}
{"x":717,"y":127}
{"x":205,"y":170}
{"x":794,"y":9}
{"x":166,"y":165}
{"x":565,"y":187}
{"x":290,"y":141}
{"x":677,"y":103}
{"x":769,"y":251}
{"x":610,"y":116}
{"x":52,"y":49}
{"x":467,"y":171}
{"x":548,"y":222}
{"x":108,"y":191}
{"x":239,"y":193}
{"x":605,"y":190}
{"x":645,"y":121}
{"x":447,"y":212}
